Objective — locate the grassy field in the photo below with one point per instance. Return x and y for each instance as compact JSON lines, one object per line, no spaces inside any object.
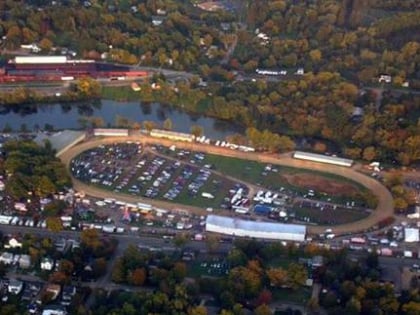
{"x":329,"y":216}
{"x":255,"y":172}
{"x":119,"y":93}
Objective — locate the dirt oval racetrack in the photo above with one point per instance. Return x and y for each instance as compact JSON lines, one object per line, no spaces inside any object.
{"x":385,"y":201}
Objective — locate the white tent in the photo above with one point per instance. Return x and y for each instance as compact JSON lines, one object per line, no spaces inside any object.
{"x":411,"y":235}
{"x":245,"y":228}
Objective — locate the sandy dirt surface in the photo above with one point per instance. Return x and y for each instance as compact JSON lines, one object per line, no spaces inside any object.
{"x":321,"y":184}
{"x":385,"y":201}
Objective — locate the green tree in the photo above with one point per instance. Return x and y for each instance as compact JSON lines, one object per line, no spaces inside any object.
{"x":296,"y":275}
{"x":54,"y":224}
{"x":196,"y":130}
{"x":167,"y":124}
{"x":149,"y":125}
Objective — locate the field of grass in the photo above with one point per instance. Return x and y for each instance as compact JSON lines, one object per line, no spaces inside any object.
{"x":254,"y":172}
{"x":329,"y":216}
{"x":119,"y":93}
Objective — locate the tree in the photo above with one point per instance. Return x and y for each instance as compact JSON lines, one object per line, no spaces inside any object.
{"x":54,"y":224}
{"x":197,"y":130}
{"x":411,"y":308}
{"x":167,"y":124}
{"x":118,"y":272}
{"x":138,"y":277}
{"x":90,"y":239}
{"x":149,"y":125}
{"x":198,"y":310}
{"x":58,"y":277}
{"x":45,"y":44}
{"x":263,"y":309}
{"x":369,"y":154}
{"x":212,"y":242}
{"x":296,"y":275}
{"x":180,"y":240}
{"x":277,"y":276}
{"x":264,"y":297}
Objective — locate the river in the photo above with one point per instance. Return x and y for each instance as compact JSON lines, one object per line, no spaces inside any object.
{"x":68,"y":116}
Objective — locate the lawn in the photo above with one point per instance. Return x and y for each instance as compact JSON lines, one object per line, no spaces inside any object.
{"x":120,"y":93}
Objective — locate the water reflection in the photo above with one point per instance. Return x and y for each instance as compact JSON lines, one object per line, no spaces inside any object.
{"x":68,"y":116}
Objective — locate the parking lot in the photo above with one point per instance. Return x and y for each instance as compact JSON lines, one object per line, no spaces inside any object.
{"x":132,"y":169}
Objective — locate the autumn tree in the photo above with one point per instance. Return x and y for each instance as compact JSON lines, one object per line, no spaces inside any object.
{"x":197,"y":130}
{"x":137,"y":277}
{"x":167,"y":124}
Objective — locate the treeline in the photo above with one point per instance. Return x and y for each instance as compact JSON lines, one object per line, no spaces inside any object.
{"x":84,"y":89}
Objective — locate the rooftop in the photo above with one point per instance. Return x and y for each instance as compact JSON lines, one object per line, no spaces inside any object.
{"x":246,"y":225}
{"x":59,"y":140}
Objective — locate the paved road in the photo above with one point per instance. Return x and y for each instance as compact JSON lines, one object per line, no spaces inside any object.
{"x":385,"y":200}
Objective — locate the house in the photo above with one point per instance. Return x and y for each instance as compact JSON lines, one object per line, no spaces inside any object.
{"x":161,"y":12}
{"x":317,"y":261}
{"x":24,"y":261}
{"x":15,"y":286}
{"x":13,"y":243}
{"x":6,"y":258}
{"x":47,"y":264}
{"x":385,"y":78}
{"x":300,"y":71}
{"x":157,"y":20}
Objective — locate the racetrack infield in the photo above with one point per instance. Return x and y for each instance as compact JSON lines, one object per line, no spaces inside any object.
{"x":385,"y":201}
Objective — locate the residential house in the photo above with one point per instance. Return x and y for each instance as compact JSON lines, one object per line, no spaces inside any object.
{"x":157,"y":20}
{"x":385,"y":78}
{"x":317,"y":261}
{"x":24,"y":261}
{"x":6,"y":258}
{"x":15,"y":286}
{"x":47,"y":264}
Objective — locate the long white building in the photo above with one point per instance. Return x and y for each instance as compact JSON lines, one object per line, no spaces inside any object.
{"x":172,"y":135}
{"x":111,"y":132}
{"x":265,"y":230}
{"x":322,"y":158}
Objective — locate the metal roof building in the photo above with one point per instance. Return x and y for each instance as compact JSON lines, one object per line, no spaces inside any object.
{"x":245,"y":228}
{"x":322,"y":158}
{"x":61,"y":140}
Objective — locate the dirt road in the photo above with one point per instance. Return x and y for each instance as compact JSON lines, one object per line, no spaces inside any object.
{"x":385,"y":201}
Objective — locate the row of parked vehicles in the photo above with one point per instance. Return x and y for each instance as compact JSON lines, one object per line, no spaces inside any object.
{"x":22,"y":221}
